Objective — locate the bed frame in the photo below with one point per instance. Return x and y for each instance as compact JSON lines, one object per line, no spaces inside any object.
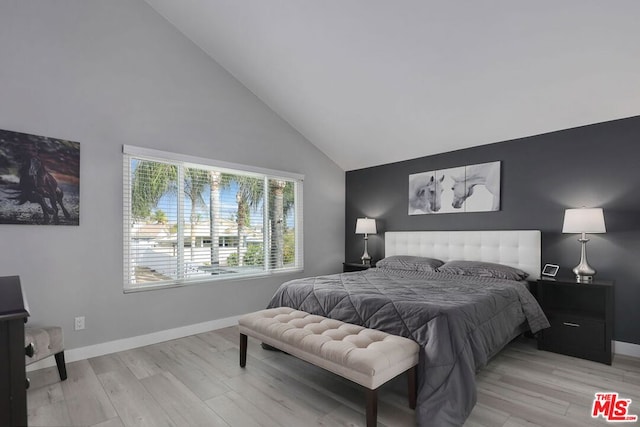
{"x":515,"y":248}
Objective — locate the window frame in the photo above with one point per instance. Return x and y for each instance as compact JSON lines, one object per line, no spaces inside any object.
{"x":184,"y":161}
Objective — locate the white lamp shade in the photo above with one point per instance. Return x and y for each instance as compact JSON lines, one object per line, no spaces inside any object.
{"x":366,"y":226}
{"x":584,"y":220}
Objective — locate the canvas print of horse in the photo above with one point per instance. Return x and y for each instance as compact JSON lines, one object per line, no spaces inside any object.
{"x":472,"y":188}
{"x":39,"y":180}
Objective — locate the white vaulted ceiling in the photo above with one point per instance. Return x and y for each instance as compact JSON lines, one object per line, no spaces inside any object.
{"x":376,"y":81}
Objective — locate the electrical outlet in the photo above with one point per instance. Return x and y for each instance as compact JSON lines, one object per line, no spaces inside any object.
{"x":79,"y":323}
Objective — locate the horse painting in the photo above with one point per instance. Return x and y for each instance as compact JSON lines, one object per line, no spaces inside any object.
{"x":39,"y":173}
{"x":487,"y":174}
{"x":425,"y":195}
{"x":37,"y":185}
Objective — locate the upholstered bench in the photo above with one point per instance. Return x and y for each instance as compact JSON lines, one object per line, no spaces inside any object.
{"x":365,"y":356}
{"x":44,"y":342}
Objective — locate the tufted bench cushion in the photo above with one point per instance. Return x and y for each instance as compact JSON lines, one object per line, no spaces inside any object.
{"x":365,"y":356}
{"x":48,"y":341}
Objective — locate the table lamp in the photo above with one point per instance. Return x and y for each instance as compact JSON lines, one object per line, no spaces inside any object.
{"x":366,"y":226}
{"x":584,"y":220}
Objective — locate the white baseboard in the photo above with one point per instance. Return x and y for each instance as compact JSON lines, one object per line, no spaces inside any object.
{"x":626,"y":349}
{"x":115,"y":346}
{"x":619,"y":347}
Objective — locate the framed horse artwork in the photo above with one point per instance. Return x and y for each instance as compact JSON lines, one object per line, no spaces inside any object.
{"x":39,"y":180}
{"x":472,"y":188}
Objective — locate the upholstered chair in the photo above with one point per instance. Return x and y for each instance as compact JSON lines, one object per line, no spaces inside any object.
{"x":45,"y":342}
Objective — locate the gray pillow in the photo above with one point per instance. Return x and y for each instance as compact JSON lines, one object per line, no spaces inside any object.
{"x":483,"y":269}
{"x":409,"y":263}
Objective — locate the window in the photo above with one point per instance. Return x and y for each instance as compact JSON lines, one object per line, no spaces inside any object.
{"x":176,"y":206}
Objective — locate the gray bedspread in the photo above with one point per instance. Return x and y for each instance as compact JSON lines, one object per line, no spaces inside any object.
{"x":459,"y":321}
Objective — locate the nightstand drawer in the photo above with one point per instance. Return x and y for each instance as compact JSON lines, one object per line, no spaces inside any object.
{"x":574,"y":334}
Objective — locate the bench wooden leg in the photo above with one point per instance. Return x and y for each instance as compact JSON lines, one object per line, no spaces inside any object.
{"x":243,"y":350}
{"x":413,"y":386}
{"x":62,"y":368}
{"x":372,"y":408}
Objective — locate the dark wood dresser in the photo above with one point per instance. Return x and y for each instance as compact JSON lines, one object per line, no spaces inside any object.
{"x":13,"y":380}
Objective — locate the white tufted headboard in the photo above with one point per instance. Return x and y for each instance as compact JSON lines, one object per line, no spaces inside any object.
{"x":516,"y":248}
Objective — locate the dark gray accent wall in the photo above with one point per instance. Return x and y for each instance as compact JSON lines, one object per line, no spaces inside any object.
{"x":593,"y":166}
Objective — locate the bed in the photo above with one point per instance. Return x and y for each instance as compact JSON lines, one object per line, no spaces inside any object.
{"x":460,"y":313}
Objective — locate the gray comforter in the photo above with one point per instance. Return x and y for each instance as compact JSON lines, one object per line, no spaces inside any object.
{"x":459,"y":322}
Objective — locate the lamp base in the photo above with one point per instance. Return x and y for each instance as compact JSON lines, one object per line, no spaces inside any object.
{"x":583,"y":271}
{"x":584,"y":279}
{"x":366,"y":259}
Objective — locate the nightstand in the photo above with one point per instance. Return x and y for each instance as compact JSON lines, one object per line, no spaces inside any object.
{"x":355,"y":266}
{"x":581,"y":317}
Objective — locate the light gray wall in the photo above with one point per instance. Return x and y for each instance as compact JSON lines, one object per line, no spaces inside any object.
{"x":108,"y":73}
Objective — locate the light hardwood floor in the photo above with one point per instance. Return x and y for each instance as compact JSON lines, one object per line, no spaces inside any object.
{"x":196,"y":381}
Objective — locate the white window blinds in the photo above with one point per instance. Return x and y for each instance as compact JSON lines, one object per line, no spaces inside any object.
{"x":189,"y":220}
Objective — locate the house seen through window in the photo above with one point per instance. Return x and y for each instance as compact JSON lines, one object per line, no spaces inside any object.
{"x":175,"y":208}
